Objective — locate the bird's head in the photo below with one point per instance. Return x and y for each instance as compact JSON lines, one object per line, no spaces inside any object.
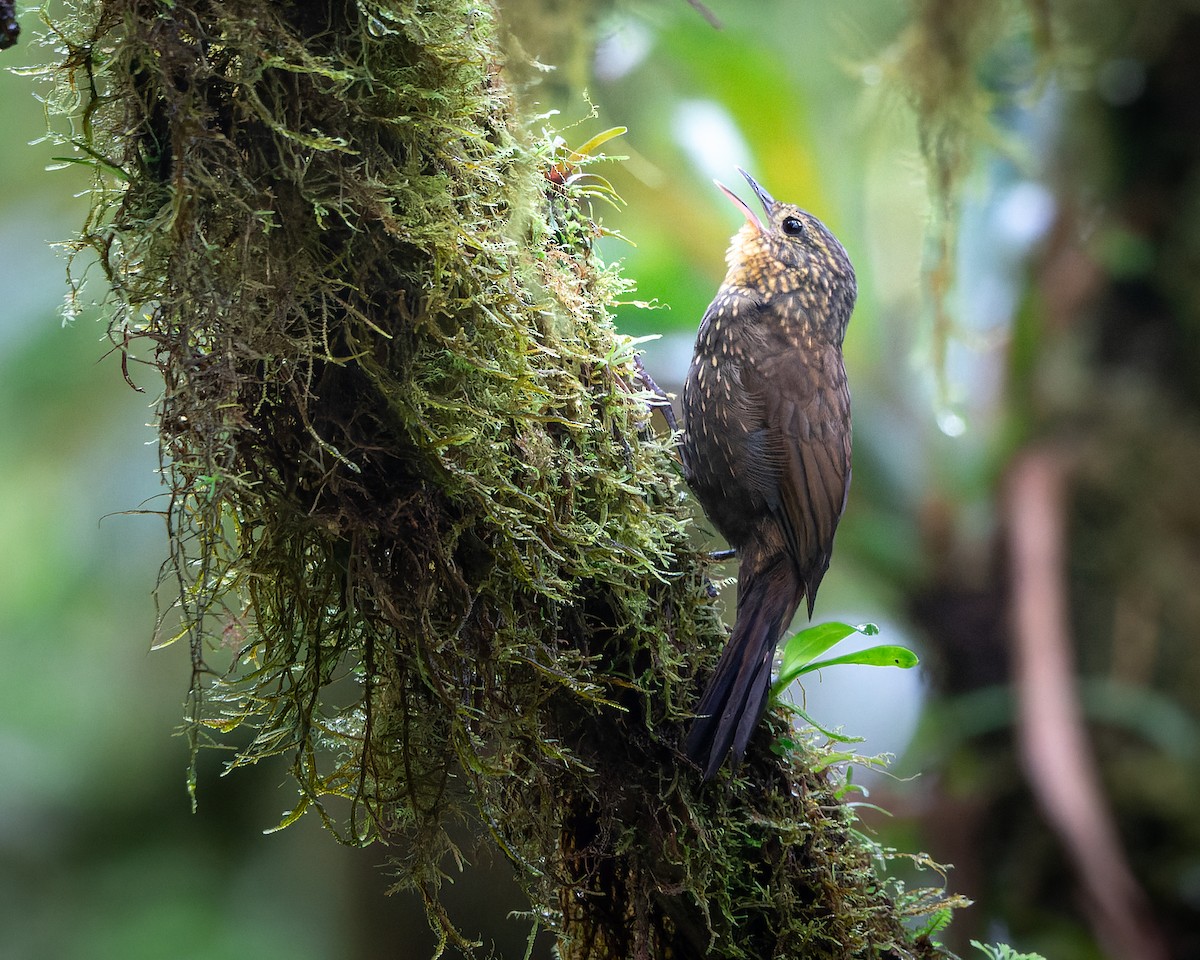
{"x":789,"y":254}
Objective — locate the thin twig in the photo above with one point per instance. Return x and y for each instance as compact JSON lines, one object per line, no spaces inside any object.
{"x":705,"y":13}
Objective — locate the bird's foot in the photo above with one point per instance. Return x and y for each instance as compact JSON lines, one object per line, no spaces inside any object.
{"x":717,"y":556}
{"x":662,"y":401}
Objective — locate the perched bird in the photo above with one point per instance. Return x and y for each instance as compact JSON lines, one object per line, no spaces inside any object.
{"x":766,"y":444}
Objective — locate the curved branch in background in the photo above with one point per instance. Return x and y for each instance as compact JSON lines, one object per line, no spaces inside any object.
{"x":1052,"y":739}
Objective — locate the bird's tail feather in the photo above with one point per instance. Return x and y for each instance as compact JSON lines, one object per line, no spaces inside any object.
{"x":736,"y":695}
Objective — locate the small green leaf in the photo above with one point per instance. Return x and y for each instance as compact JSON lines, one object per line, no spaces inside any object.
{"x":885,"y":655}
{"x":802,"y":649}
{"x":803,"y":646}
{"x":938,"y":922}
{"x":588,"y":150}
{"x":1002,"y":951}
{"x":833,"y":759}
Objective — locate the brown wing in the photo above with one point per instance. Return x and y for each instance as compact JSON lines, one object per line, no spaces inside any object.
{"x":807,"y":430}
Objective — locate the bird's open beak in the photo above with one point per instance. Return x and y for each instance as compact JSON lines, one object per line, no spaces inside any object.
{"x":765,"y":198}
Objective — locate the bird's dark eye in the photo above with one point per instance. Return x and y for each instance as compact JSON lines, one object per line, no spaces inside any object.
{"x":792,"y":226}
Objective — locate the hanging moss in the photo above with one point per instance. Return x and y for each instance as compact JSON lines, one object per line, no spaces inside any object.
{"x":958,"y":65}
{"x":424,"y":542}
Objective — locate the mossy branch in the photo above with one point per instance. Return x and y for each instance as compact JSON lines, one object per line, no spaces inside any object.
{"x":424,"y":542}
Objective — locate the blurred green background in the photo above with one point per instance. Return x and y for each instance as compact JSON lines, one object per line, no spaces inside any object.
{"x":1073,"y":326}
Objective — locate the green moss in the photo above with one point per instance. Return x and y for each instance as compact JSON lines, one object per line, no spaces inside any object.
{"x":424,"y":542}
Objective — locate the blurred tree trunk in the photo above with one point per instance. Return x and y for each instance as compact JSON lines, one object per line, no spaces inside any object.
{"x":424,"y":541}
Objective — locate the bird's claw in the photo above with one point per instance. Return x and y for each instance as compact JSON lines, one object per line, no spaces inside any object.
{"x":662,"y":401}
